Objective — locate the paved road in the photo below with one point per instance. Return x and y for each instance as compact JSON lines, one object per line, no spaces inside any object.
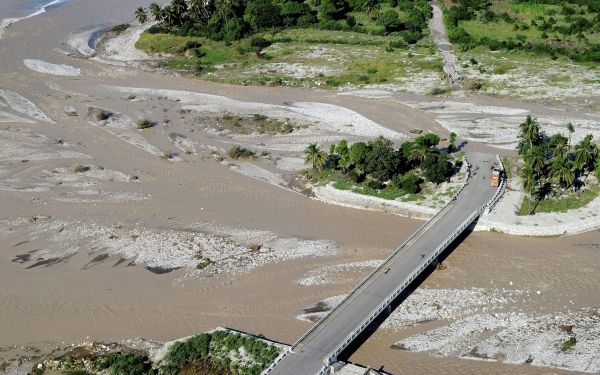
{"x":311,"y":353}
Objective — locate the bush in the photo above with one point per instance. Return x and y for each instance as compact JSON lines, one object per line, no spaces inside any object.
{"x":411,"y":36}
{"x":102,"y":115}
{"x":410,"y":183}
{"x":237,"y":152}
{"x":259,"y":43}
{"x":397,"y":44}
{"x":80,"y":168}
{"x":439,"y":91}
{"x":569,"y":344}
{"x":474,"y":85}
{"x":144,"y":123}
{"x":130,"y":364}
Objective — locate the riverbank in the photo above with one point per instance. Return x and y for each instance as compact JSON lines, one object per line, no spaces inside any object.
{"x":128,"y":191}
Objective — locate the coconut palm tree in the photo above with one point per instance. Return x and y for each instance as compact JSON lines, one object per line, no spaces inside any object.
{"x":586,"y":152}
{"x":156,"y":12}
{"x":536,"y":160}
{"x":168,"y":16}
{"x":571,"y":130}
{"x":314,"y":156}
{"x":559,"y":144}
{"x":562,"y":171}
{"x":529,"y":181}
{"x":141,"y":15}
{"x":418,"y":153}
{"x":530,"y":130}
{"x":195,"y":10}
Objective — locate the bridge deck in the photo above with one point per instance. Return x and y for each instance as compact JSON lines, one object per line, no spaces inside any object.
{"x":312,"y":351}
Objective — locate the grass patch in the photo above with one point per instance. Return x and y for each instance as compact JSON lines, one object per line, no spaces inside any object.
{"x":256,"y":123}
{"x":569,"y":344}
{"x":359,"y":58}
{"x":568,"y":202}
{"x":341,"y":182}
{"x":559,"y":79}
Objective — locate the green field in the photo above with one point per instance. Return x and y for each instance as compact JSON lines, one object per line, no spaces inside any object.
{"x":298,"y":57}
{"x":547,"y":27}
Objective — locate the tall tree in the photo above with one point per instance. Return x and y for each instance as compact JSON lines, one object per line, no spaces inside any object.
{"x":156,"y":12}
{"x":314,"y":156}
{"x":586,"y":152}
{"x":571,"y":130}
{"x":141,"y":15}
{"x":529,"y":133}
{"x":537,"y":160}
{"x":561,"y":171}
{"x":530,"y":182}
{"x":382,"y":162}
{"x":418,"y":153}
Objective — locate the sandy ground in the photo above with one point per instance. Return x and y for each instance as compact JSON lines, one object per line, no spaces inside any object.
{"x":170,"y":184}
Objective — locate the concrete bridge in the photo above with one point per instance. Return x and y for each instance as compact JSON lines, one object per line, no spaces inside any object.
{"x":318,"y":349}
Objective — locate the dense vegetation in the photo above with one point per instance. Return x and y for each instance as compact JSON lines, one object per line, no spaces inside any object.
{"x":231,"y":20}
{"x":556,"y":28}
{"x":552,"y":165}
{"x":112,"y":364}
{"x":378,"y":166}
{"x":219,"y":352}
{"x":222,"y":351}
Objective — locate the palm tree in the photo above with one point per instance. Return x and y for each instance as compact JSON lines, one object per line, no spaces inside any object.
{"x":536,"y":160}
{"x":225,"y":8}
{"x":571,"y":130}
{"x":314,"y":156}
{"x":180,"y":8}
{"x":529,"y":180}
{"x":586,"y":152}
{"x":195,"y":11}
{"x":168,"y":16}
{"x":530,"y":130}
{"x":156,"y":12}
{"x":141,"y":15}
{"x":559,"y":144}
{"x":562,"y":171}
{"x":452,"y":145}
{"x":418,"y":153}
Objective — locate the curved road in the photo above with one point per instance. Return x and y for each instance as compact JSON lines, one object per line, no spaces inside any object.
{"x":314,"y":350}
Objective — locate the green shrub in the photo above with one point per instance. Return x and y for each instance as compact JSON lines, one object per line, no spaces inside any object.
{"x":144,"y":123}
{"x":130,"y":364}
{"x":569,"y":344}
{"x":237,"y":152}
{"x":102,"y":115}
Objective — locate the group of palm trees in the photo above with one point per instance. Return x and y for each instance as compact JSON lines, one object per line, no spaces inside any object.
{"x":178,"y":12}
{"x":553,"y":162}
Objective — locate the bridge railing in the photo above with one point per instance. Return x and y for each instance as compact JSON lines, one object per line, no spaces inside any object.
{"x":500,"y":190}
{"x":385,"y":262}
{"x":332,"y":357}
{"x":275,"y":362}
